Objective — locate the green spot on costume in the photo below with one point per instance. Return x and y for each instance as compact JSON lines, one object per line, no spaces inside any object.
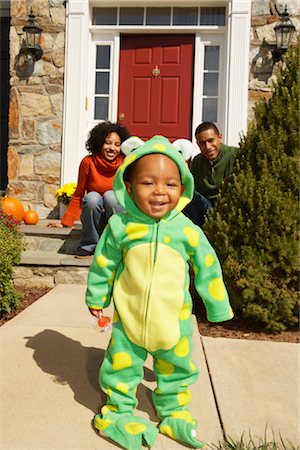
{"x":143,"y":264}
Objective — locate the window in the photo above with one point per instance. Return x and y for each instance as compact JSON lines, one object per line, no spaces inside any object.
{"x":131,"y":16}
{"x":185,"y":16}
{"x":102,"y":82}
{"x":210,"y":83}
{"x":105,"y":16}
{"x":212,"y":16}
{"x":159,"y":16}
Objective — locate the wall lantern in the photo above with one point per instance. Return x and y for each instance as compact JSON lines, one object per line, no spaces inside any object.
{"x":33,"y":35}
{"x":283,"y":33}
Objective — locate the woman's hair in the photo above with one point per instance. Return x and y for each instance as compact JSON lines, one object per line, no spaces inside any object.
{"x":99,"y":133}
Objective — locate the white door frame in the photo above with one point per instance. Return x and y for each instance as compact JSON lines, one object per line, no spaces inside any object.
{"x":79,"y":53}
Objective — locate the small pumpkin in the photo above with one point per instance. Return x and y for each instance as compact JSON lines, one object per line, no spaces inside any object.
{"x":31,"y":217}
{"x":13,"y":207}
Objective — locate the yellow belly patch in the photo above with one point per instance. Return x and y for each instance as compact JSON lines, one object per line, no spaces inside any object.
{"x":149,"y":296}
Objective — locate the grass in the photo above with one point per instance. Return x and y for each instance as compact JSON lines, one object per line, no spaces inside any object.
{"x":256,"y":443}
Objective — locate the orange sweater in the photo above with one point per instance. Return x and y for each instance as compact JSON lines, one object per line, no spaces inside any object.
{"x":95,"y":174}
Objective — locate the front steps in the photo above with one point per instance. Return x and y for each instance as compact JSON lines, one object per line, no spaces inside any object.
{"x":49,"y":257}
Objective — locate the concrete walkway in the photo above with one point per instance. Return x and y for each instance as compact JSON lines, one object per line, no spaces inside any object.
{"x":50,"y":356}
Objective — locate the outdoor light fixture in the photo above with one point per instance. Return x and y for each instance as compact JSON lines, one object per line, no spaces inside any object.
{"x":283,"y":33}
{"x":33,"y":35}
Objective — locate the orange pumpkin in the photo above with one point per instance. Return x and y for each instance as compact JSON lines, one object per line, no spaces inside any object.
{"x":13,"y":207}
{"x":31,"y":217}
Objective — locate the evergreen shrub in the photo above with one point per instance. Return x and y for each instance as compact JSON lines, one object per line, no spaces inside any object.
{"x":254,"y":224}
{"x":11,"y":245}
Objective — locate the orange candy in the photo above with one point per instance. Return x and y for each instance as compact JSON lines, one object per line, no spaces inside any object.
{"x":103,"y":322}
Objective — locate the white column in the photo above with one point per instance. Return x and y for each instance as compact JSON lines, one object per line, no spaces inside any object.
{"x":238,"y":70}
{"x":74,"y":118}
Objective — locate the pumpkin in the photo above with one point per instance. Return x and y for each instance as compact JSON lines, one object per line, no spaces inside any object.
{"x":31,"y":217}
{"x":13,"y":207}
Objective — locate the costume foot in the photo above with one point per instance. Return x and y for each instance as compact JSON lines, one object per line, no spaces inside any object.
{"x":129,"y":431}
{"x":181,"y":426}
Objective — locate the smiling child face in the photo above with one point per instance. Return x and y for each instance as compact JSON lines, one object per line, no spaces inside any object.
{"x":155,"y":185}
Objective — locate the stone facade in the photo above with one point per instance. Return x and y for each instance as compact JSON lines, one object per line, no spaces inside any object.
{"x":36,"y":101}
{"x":37,"y":276}
{"x":36,"y":104}
{"x":262,"y":69}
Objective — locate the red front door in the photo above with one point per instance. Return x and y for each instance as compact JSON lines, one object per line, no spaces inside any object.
{"x":155,"y":90}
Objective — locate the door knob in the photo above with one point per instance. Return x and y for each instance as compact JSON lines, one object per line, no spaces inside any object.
{"x":156,"y":71}
{"x":121,"y":116}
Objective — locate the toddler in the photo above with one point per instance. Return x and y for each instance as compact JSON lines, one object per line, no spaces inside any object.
{"x":142,"y":261}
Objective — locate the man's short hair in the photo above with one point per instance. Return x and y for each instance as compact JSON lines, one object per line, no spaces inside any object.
{"x":206,"y":126}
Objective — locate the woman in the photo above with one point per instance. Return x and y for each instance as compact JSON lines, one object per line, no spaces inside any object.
{"x":94,"y":195}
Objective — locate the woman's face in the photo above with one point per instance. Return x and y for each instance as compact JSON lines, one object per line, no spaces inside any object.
{"x":111,"y":147}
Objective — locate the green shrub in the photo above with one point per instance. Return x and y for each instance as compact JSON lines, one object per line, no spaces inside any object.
{"x":254,"y":224}
{"x":11,"y":245}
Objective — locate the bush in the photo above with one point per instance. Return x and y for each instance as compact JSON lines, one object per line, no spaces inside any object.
{"x":12,"y":245}
{"x":254,"y":225}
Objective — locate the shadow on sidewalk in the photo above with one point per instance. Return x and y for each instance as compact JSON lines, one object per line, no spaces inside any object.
{"x":69,"y":362}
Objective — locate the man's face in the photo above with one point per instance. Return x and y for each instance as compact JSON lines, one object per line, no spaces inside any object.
{"x":155,"y":185}
{"x":209,"y":143}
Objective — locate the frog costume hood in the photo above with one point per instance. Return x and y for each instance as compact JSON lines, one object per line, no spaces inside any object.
{"x":135,"y":149}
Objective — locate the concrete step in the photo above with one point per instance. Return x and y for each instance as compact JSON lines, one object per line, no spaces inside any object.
{"x":49,"y":258}
{"x":41,"y":237}
{"x":45,"y":258}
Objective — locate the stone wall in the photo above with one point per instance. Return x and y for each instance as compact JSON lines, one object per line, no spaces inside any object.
{"x":36,"y":103}
{"x":262,"y":69}
{"x":32,"y":277}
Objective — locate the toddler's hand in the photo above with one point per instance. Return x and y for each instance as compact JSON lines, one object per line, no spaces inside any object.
{"x":96,"y":312}
{"x":100,"y":322}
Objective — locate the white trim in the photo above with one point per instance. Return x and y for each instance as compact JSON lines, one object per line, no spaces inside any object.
{"x":112,"y":39}
{"x":74,"y":116}
{"x":159,"y":3}
{"x":198,"y":87}
{"x":148,"y":29}
{"x":202,"y":40}
{"x":238,"y":70}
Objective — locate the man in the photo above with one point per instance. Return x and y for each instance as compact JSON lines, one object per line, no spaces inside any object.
{"x":215,"y":162}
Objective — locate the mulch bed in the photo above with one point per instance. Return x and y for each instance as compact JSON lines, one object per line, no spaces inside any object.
{"x":239,"y":328}
{"x":28,"y":297}
{"x":236,"y":328}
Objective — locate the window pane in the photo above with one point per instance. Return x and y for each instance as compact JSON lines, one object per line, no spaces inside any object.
{"x":212,"y":16}
{"x":211,"y":58}
{"x":131,"y":16}
{"x":101,"y":108}
{"x":185,"y":16}
{"x":105,"y":16}
{"x":210,"y":110}
{"x":103,"y":57}
{"x":210,"y":84}
{"x":158,"y":16}
{"x":102,"y":83}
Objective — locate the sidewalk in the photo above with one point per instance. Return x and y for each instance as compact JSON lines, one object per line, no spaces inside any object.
{"x":50,"y":357}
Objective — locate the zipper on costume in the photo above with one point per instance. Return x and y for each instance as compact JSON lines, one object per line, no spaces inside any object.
{"x":153,"y":259}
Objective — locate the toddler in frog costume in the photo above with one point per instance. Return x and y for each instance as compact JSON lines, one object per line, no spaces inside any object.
{"x":142,"y":261}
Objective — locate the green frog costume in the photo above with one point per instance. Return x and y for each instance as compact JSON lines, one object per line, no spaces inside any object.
{"x":143,"y":264}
